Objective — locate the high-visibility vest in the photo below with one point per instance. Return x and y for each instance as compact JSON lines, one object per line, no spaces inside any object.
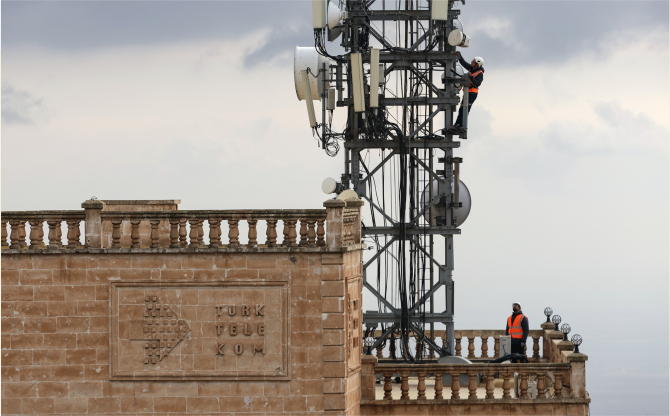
{"x":515,"y":330}
{"x":474,"y":89}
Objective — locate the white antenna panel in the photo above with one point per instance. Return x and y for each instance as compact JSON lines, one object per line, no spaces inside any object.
{"x":309,"y":58}
{"x":439,"y":10}
{"x":319,"y":14}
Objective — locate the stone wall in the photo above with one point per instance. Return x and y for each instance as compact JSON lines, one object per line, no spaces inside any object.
{"x":77,"y":332}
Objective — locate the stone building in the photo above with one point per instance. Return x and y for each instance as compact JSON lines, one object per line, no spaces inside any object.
{"x":144,"y":315}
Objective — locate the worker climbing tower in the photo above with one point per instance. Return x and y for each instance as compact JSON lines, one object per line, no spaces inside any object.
{"x":396,"y":83}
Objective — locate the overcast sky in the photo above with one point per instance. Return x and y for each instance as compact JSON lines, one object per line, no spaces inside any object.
{"x":567,"y":156}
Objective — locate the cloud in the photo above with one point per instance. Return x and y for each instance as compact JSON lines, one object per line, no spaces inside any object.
{"x":21,"y":107}
{"x":511,"y":33}
{"x":507,"y":33}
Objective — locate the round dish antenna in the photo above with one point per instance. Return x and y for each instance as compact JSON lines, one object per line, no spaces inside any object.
{"x":334,"y":15}
{"x":329,"y":186}
{"x":309,"y":58}
{"x":458,"y":38}
{"x":461,"y":213}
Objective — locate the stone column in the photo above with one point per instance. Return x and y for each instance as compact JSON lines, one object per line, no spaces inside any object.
{"x":368,"y":377}
{"x":578,"y":374}
{"x":334,"y":225}
{"x":93,"y":223}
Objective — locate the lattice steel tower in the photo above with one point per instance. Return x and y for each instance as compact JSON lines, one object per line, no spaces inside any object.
{"x":399,"y":82}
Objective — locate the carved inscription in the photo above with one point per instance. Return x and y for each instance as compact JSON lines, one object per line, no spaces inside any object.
{"x":199,"y":331}
{"x":249,"y":323}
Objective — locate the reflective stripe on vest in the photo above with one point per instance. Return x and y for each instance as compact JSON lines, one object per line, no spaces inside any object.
{"x":474,"y":89}
{"x":515,"y":330}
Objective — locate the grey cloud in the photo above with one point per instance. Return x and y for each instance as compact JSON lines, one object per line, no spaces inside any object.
{"x":21,"y":107}
{"x":540,"y":32}
{"x":551,"y":32}
{"x":85,"y":25}
{"x":280,"y":43}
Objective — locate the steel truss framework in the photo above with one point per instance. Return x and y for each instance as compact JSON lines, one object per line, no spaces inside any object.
{"x":401,"y":151}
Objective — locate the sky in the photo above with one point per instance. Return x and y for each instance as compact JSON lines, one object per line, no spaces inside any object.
{"x":566,"y":160}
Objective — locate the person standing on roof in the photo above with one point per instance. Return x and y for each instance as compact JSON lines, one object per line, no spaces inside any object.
{"x":476,"y":77}
{"x":517,"y":329}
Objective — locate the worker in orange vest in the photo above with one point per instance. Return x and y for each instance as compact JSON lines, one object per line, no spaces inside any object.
{"x":517,"y":329}
{"x":476,"y":77}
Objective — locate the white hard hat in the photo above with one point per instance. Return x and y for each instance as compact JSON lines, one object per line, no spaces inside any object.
{"x":479,"y":60}
{"x":516,"y":303}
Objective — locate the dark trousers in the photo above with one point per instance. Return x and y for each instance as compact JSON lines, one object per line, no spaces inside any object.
{"x":472,"y":96}
{"x":516,"y":347}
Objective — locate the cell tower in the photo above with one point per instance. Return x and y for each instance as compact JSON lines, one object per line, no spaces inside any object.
{"x":398,"y":81}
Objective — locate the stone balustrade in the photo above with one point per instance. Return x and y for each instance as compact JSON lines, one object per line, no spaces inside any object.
{"x":176,"y":229}
{"x":550,"y":378}
{"x":489,"y":345}
{"x":35,"y":220}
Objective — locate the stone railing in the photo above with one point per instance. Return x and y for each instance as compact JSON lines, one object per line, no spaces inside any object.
{"x":463,"y":337}
{"x":36,"y":219}
{"x":552,"y":380}
{"x":337,"y":225}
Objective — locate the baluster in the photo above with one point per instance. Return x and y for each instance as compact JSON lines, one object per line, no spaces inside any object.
{"x":472,"y":384}
{"x":4,"y":234}
{"x":53,"y":234}
{"x":320,"y":234}
{"x":422,"y":385}
{"x":496,"y":346}
{"x":285,"y":241}
{"x":201,"y":233}
{"x":35,"y":239}
{"x":523,"y":384}
{"x":506,"y":384}
{"x":77,"y":233}
{"x":458,"y":345}
{"x":59,"y":234}
{"x":174,"y":232}
{"x":455,"y":386}
{"x":233,"y":233}
{"x":303,"y":233}
{"x":485,"y":346}
{"x":116,"y":232}
{"x":489,"y":384}
{"x":271,"y":233}
{"x":292,"y":236}
{"x":135,"y":240}
{"x":214,"y":232}
{"x":404,"y":385}
{"x":438,"y":385}
{"x":558,"y":385}
{"x":41,"y":231}
{"x":541,"y":394}
{"x":380,"y":352}
{"x":311,"y":233}
{"x":536,"y":348}
{"x":193,"y":233}
{"x":388,"y":387}
{"x":253,"y":234}
{"x":471,"y":346}
{"x":14,"y":235}
{"x":154,"y":233}
{"x":72,"y":238}
{"x":182,"y":232}
{"x":22,"y":234}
